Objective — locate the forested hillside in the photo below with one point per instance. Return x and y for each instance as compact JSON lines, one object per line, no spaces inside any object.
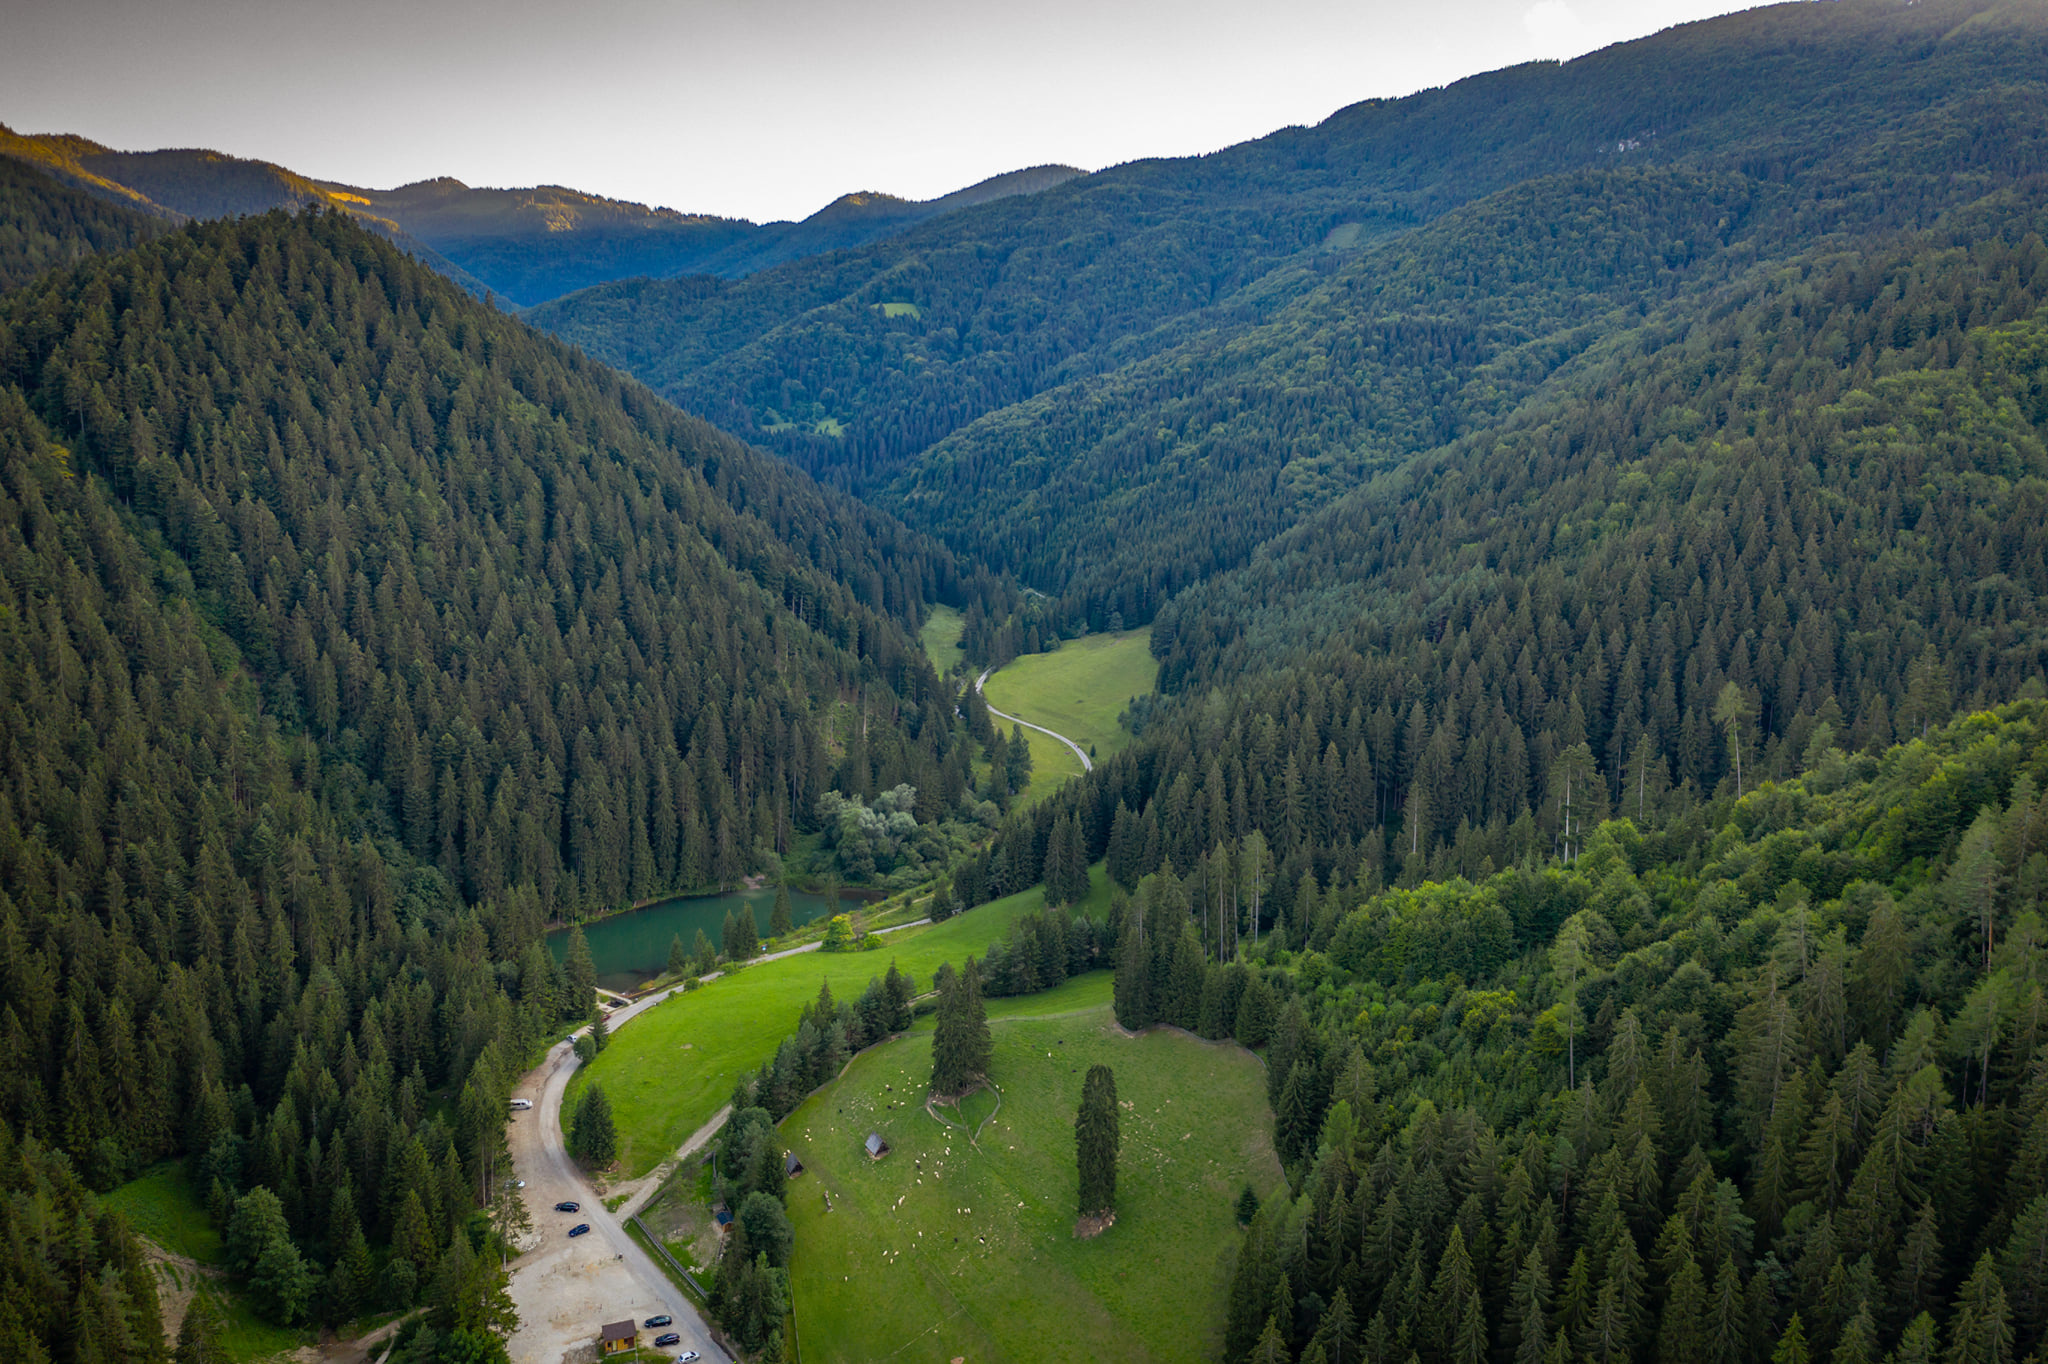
{"x":44,"y":225}
{"x":173,"y":185}
{"x":351,"y":631}
{"x":1830,"y":500}
{"x":533,"y":245}
{"x":1125,"y":384}
{"x":1746,"y":1080}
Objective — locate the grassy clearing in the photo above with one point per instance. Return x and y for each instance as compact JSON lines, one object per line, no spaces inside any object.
{"x":243,"y":1336}
{"x":163,"y":1205}
{"x":945,"y":1249}
{"x":900,"y":310}
{"x":1080,"y":688}
{"x":1053,"y":764}
{"x":672,"y":1067}
{"x":941,"y":637}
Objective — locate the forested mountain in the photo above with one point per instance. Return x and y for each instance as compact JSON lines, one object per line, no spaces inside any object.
{"x":1819,"y":513}
{"x":349,"y":632}
{"x":526,"y":245}
{"x":1125,"y":384}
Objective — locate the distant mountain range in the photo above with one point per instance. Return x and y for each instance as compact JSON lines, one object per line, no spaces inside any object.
{"x":526,"y":245}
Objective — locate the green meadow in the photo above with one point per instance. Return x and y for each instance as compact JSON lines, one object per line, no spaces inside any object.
{"x":162,"y":1205}
{"x":948,"y":1247}
{"x":941,"y":637}
{"x":1079,"y":689}
{"x":1053,"y":764}
{"x":672,"y":1067}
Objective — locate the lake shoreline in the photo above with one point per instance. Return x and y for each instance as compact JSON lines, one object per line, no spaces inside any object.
{"x":866,"y":895}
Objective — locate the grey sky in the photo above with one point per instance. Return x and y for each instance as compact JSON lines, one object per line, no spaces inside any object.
{"x":763,"y":110}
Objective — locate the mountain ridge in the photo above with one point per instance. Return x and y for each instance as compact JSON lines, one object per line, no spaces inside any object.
{"x":525,"y":244}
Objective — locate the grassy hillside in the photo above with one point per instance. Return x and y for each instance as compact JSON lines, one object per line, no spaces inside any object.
{"x":1080,"y":688}
{"x":674,"y":1066}
{"x":1053,"y":765}
{"x":948,"y":1248}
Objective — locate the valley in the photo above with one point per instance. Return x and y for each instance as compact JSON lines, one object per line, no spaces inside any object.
{"x":1418,"y":740}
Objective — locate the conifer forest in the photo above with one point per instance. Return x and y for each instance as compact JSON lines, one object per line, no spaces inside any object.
{"x":1589,"y":522}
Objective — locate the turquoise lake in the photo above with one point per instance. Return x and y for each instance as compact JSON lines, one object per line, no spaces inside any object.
{"x":631,"y":948}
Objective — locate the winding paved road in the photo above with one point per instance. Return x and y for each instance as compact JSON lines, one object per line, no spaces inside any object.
{"x":565,"y":1289}
{"x":568,"y":1281}
{"x":1087,"y":764}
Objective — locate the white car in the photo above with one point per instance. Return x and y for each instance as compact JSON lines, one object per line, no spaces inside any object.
{"x":686,"y":1357}
{"x":521,"y":1105}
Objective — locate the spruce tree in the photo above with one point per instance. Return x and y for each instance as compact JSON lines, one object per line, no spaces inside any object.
{"x":1980,"y":1332}
{"x":900,"y":991}
{"x":706,"y":956}
{"x":1096,"y":1141}
{"x":678,"y":960}
{"x":782,"y":919}
{"x":1132,"y":985}
{"x":582,"y":975}
{"x":961,"y":1046}
{"x":1791,"y":1347}
{"x":1017,"y":760}
{"x":593,"y":1139}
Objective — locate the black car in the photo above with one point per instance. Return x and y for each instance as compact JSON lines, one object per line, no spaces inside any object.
{"x":670,"y":1339}
{"x":568,"y":1207}
{"x":579,"y":1229}
{"x":663,"y":1320}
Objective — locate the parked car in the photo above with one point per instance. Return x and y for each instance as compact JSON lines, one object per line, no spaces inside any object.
{"x":521,"y":1105}
{"x":663,"y":1320}
{"x":687,"y":1357}
{"x":568,"y":1207}
{"x":580,"y":1229}
{"x":670,"y":1339}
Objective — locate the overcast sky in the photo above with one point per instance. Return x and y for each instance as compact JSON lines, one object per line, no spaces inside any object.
{"x":752,"y":108}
